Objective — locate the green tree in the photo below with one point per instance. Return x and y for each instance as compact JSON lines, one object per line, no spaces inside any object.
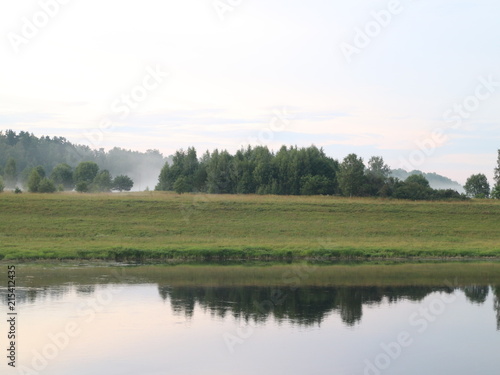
{"x":2,"y":185}
{"x":264,"y":172}
{"x":351,"y":175}
{"x":62,"y":174}
{"x":185,"y":164}
{"x":378,"y":168}
{"x":40,"y":170}
{"x":377,"y":175}
{"x":497,"y":169}
{"x":219,"y":174}
{"x":315,"y":185}
{"x":181,"y":185}
{"x":415,"y":187}
{"x":417,"y":179}
{"x":477,"y":186}
{"x":34,"y":181}
{"x":122,"y":182}
{"x":46,"y":186}
{"x":82,"y":187}
{"x":164,"y":179}
{"x":102,"y":181}
{"x":85,"y":172}
{"x":495,"y":192}
{"x":10,"y":173}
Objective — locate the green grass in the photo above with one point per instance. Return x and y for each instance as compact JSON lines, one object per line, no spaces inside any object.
{"x":159,"y":226}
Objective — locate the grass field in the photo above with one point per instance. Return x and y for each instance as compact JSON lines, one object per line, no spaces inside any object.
{"x":160,"y":226}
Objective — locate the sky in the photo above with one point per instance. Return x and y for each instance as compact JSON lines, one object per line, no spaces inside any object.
{"x":414,"y":81}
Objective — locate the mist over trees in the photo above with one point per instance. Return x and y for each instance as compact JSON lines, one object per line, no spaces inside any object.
{"x":61,"y":165}
{"x":290,"y":171}
{"x":436,"y":181}
{"x":21,"y":152}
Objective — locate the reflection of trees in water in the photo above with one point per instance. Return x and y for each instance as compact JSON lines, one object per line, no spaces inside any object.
{"x":85,"y":290}
{"x":32,"y":295}
{"x":303,"y":306}
{"x":496,"y":303}
{"x":476,"y":293}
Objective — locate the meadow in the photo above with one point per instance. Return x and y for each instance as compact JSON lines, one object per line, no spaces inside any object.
{"x":161,"y":226}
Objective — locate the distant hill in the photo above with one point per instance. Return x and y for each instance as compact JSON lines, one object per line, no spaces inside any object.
{"x":435,"y":180}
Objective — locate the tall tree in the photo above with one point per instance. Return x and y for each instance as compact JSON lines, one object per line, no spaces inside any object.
{"x":85,"y":172}
{"x":34,"y":181}
{"x":102,"y":181}
{"x":378,"y":168}
{"x":377,"y":175}
{"x":495,"y":193}
{"x":219,"y":175}
{"x":477,"y":186}
{"x":40,"y":170}
{"x":497,"y":169}
{"x":351,"y":175}
{"x":62,"y":174}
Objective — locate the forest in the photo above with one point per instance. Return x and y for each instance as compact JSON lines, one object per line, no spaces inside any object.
{"x":57,"y":159}
{"x":305,"y":171}
{"x":45,"y":164}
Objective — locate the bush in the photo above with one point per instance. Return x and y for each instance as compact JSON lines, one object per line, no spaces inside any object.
{"x":46,"y":186}
{"x":2,"y":185}
{"x":34,"y":181}
{"x":414,"y":191}
{"x":17,"y":190}
{"x":122,"y":182}
{"x":448,"y":194}
{"x":82,"y":187}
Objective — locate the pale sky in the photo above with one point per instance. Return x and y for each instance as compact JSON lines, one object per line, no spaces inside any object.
{"x":414,"y":81}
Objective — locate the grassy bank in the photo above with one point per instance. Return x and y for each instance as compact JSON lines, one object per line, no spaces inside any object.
{"x":160,"y":226}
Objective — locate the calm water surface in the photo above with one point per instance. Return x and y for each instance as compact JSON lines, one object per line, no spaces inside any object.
{"x":98,"y":325}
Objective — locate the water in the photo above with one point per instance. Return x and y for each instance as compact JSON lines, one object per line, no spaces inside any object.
{"x":95,"y":320}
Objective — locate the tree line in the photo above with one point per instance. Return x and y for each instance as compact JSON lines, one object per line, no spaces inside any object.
{"x":297,"y":171}
{"x":47,"y":164}
{"x":86,"y":177}
{"x":21,"y":152}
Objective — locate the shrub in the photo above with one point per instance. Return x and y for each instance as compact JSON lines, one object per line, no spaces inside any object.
{"x":46,"y":186}
{"x":82,"y":187}
{"x":34,"y":181}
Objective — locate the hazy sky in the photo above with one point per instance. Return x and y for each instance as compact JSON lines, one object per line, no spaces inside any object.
{"x":417,"y":82}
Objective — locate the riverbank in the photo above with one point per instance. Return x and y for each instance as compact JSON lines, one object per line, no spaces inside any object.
{"x":157,"y":226}
{"x":318,"y":274}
